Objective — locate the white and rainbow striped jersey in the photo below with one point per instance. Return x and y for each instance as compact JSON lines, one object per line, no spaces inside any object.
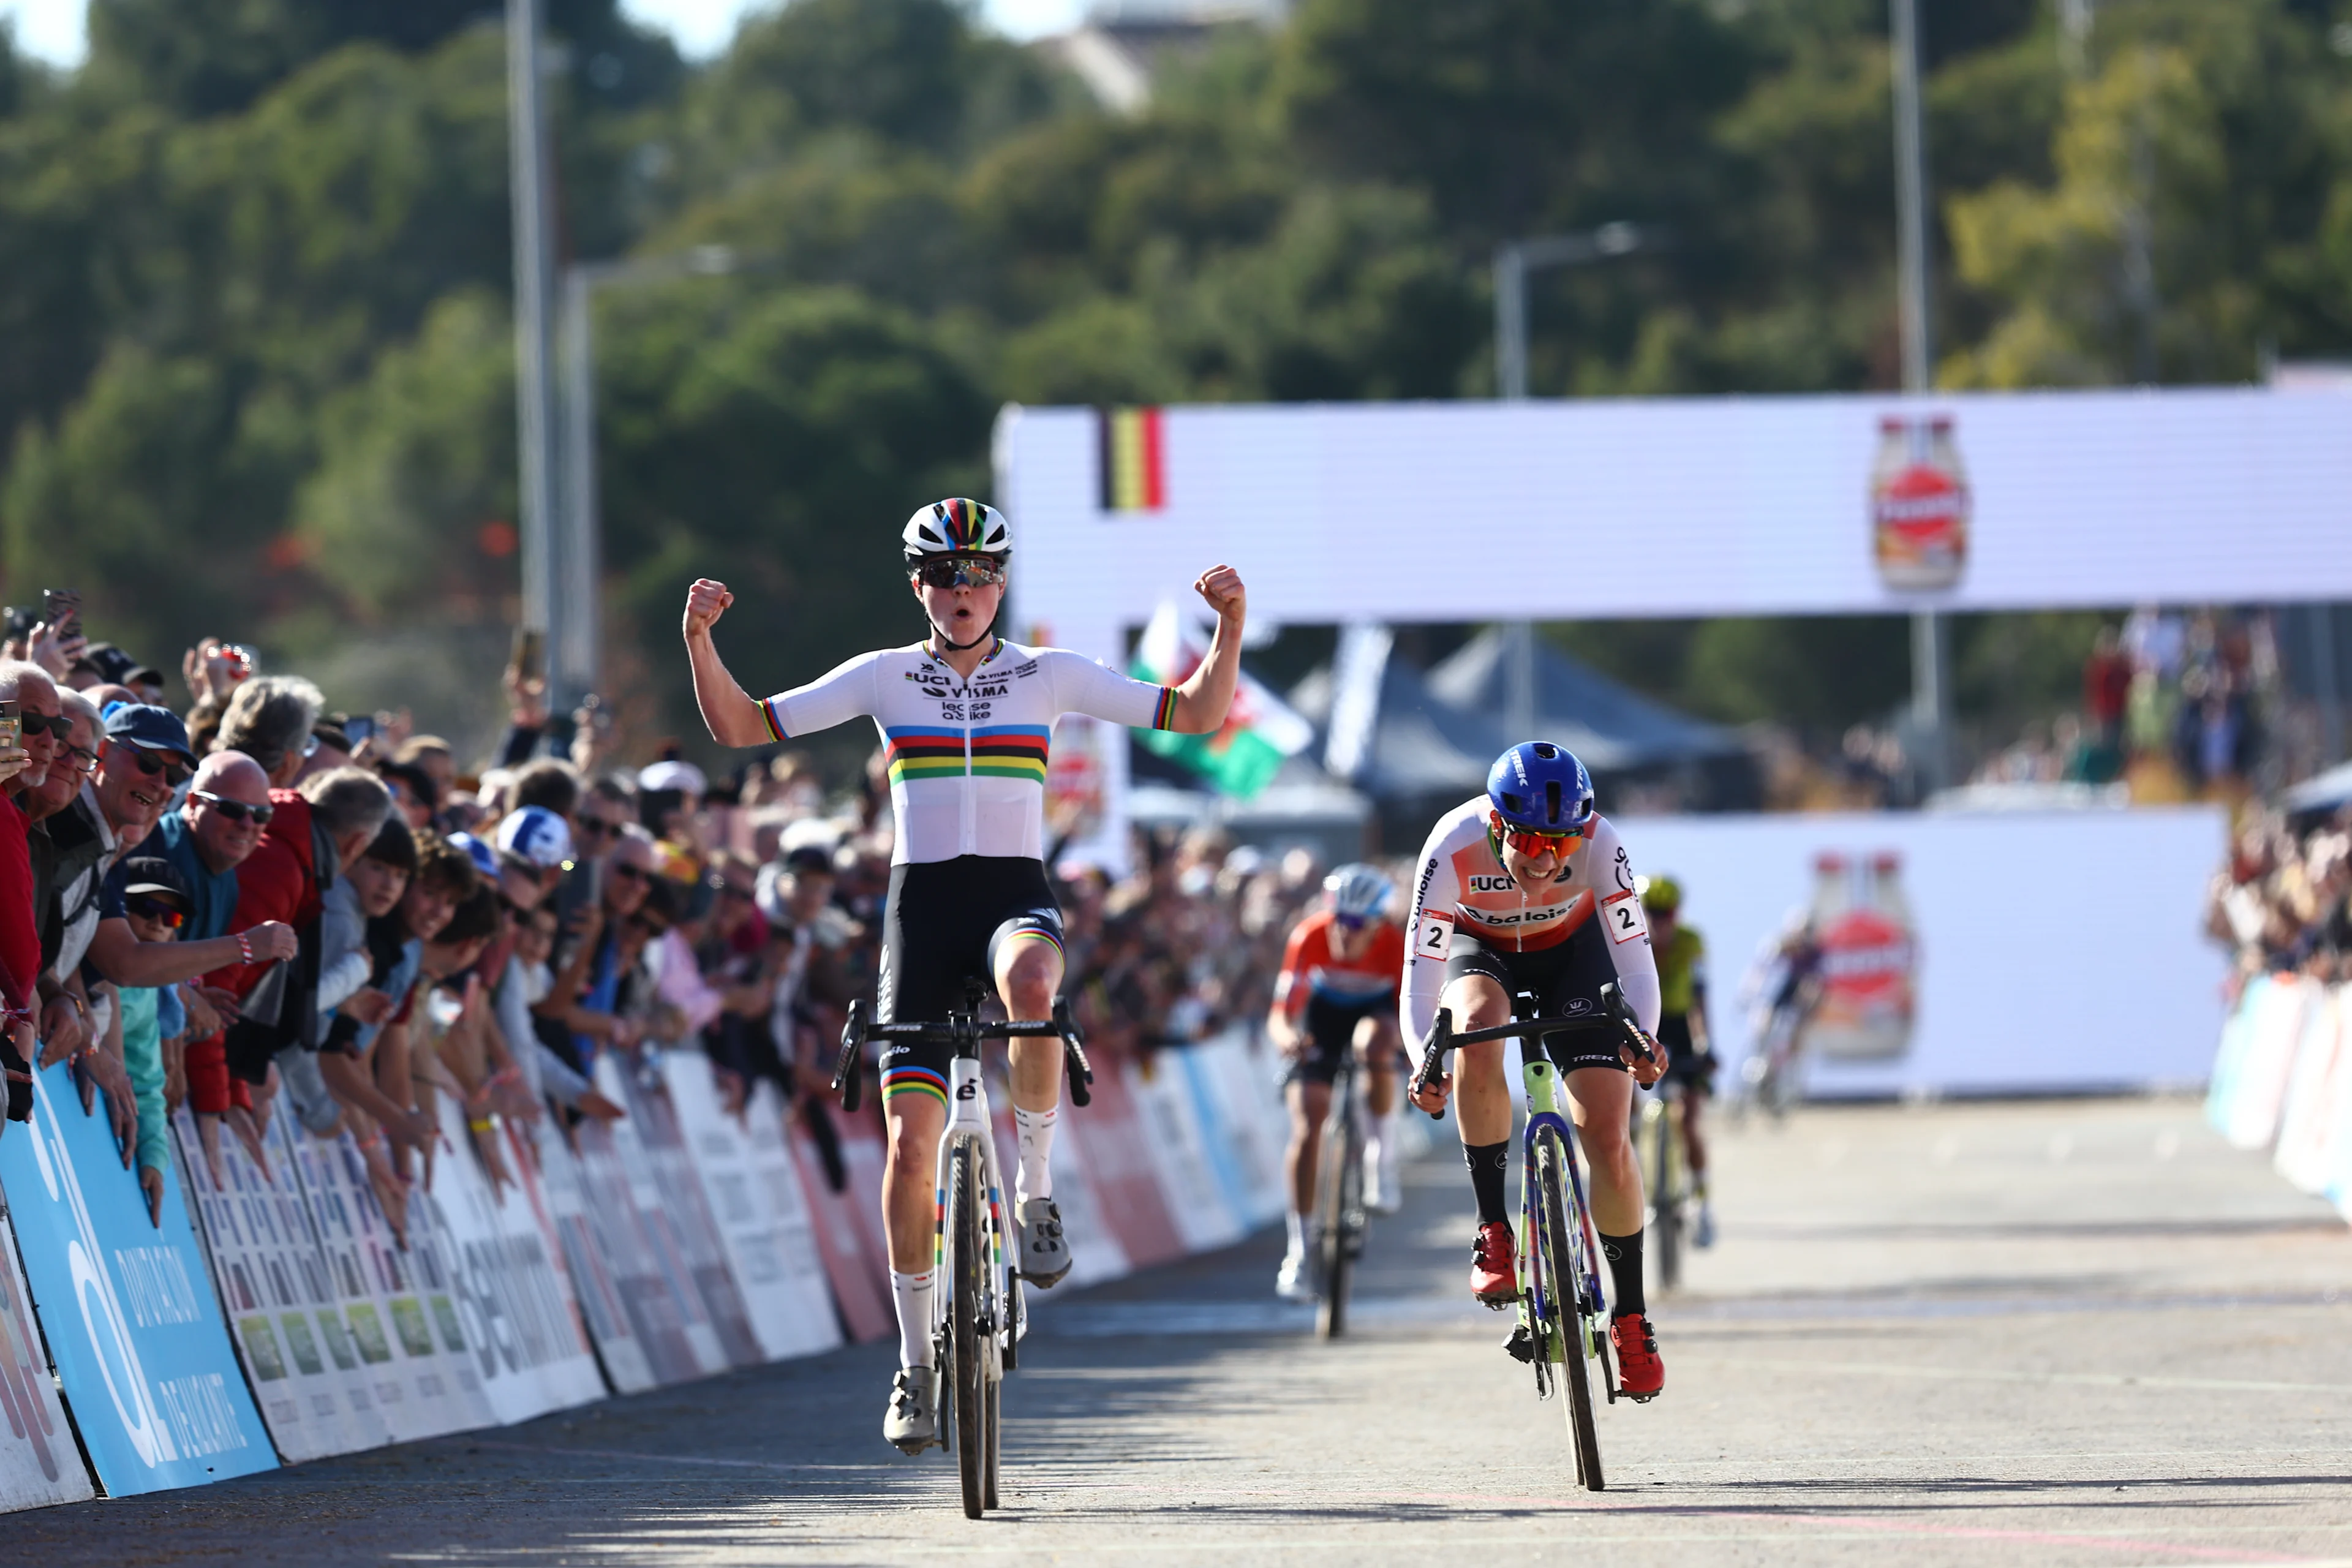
{"x":967,"y":758}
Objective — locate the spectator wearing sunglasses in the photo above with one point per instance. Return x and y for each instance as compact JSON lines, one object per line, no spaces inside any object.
{"x":156,"y":905}
{"x":29,"y":686}
{"x":71,"y":847}
{"x":413,"y":793}
{"x":585,"y":996}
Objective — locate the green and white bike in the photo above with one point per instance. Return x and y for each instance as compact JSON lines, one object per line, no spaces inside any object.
{"x":977,"y":1319}
{"x":1563,"y":1313}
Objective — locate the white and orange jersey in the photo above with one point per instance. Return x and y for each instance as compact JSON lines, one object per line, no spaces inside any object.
{"x":1461,"y":886}
{"x":1309,"y":965}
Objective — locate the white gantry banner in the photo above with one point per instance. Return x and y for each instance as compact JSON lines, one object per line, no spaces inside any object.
{"x":1670,"y":507}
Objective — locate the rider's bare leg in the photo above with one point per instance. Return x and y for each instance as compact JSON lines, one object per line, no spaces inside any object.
{"x":1309,"y":1103}
{"x":910,"y":1178}
{"x":1602,"y":1100}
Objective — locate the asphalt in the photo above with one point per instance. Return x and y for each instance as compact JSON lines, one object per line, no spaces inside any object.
{"x":2072,"y":1332}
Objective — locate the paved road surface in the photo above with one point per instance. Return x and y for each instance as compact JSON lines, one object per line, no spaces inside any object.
{"x":2051,"y":1333}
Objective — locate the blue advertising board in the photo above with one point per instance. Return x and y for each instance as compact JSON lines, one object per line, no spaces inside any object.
{"x":130,"y":1314}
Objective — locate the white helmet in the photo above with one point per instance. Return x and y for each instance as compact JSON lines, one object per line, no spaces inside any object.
{"x":1358,"y":892}
{"x":957,"y":527}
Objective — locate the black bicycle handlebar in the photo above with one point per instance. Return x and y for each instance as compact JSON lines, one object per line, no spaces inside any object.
{"x":1616,"y":1013}
{"x":849,"y":1082}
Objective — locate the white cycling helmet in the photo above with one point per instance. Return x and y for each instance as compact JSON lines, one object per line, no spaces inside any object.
{"x":957,"y":527}
{"x":1358,"y":892}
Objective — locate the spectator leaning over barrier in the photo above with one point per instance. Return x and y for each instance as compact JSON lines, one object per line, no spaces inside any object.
{"x":270,"y":720}
{"x":399,"y":925}
{"x":587,"y":981}
{"x":413,"y":796}
{"x":312,"y":832}
{"x":24,"y":766}
{"x":534,"y":850}
{"x":463,"y":1048}
{"x":71,"y":848}
{"x":156,"y":905}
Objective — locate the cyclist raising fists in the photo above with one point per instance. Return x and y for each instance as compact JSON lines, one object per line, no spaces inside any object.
{"x":1528,"y":890}
{"x":966,"y":718}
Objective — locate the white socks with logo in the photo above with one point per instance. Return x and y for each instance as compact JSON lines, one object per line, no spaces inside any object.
{"x":1035,"y":1177}
{"x":911,"y":1295}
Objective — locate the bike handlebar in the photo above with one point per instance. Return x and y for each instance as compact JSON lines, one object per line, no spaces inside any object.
{"x":959,"y":1028}
{"x":1616,"y":1013}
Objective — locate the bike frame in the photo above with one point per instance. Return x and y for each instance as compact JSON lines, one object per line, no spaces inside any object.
{"x":969,"y":1122}
{"x":1542,"y":1080}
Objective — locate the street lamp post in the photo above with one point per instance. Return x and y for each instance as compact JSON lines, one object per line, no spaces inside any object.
{"x":578,"y":536}
{"x":1514,"y":259}
{"x":534,"y":275}
{"x":1931,"y":686}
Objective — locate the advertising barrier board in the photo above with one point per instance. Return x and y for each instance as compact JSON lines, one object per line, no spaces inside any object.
{"x":38,"y":1465}
{"x":131,"y":1324}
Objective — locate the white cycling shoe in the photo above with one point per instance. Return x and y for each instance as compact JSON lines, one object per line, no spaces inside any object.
{"x":912,"y":1422}
{"x":1290,"y":1281}
{"x":1044,"y":1254}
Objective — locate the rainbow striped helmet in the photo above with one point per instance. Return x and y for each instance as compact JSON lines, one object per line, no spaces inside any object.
{"x":957,"y":527}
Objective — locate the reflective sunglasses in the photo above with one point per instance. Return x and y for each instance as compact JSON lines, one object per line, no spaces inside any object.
{"x":635,"y":873}
{"x":84,"y":759}
{"x":1528,"y":841}
{"x":961,"y":571}
{"x":235,"y":810}
{"x":175,"y":774}
{"x":58,"y":725}
{"x":597,"y":825}
{"x":170,"y":917}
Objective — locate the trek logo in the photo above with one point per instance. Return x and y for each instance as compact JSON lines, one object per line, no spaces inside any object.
{"x":1490,"y":884}
{"x":966,"y":1090}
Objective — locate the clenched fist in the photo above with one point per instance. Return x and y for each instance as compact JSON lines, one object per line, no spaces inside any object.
{"x":1221,"y":586}
{"x":705,"y":603}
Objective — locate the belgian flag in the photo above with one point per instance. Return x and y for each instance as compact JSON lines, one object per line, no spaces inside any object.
{"x":1134,"y":458}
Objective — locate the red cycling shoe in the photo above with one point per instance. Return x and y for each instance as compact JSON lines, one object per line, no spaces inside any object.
{"x":1640,"y":1372}
{"x":1493,"y":1267}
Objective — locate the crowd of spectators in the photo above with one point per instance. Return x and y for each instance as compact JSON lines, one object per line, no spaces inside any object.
{"x":245,"y":903}
{"x":2283,"y":901}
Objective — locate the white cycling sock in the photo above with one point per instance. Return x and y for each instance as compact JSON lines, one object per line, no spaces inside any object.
{"x":1298,"y":1226}
{"x":911,"y":1295}
{"x":1035,"y":1177}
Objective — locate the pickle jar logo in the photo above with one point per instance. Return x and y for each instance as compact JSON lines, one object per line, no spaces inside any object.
{"x":1919,"y":503}
{"x":1869,"y":959}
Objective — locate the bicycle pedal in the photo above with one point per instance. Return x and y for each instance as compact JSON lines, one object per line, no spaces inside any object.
{"x":1496,"y":1303}
{"x":1521,"y":1345}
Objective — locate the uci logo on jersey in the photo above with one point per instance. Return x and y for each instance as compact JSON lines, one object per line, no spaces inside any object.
{"x":1484,"y":884}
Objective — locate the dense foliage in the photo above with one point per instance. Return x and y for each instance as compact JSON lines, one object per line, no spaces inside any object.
{"x":254,"y":266}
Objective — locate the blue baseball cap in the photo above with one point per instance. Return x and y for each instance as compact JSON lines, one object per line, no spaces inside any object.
{"x":485,"y":859}
{"x":537,"y":836}
{"x":149,"y":728}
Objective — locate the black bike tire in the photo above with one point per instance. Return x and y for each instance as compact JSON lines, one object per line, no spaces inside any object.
{"x":995,"y":1425}
{"x":1666,"y":1198}
{"x":1332,"y":1206}
{"x":966,"y":1356}
{"x":1555,"y":1258}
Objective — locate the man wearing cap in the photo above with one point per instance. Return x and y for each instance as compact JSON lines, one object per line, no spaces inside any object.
{"x":156,"y":905}
{"x":533,"y":849}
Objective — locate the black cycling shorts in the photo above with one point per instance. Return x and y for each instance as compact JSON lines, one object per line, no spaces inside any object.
{"x":1329,"y":1025}
{"x":944,"y":927}
{"x":1684,"y":1063}
{"x":1565,"y":978}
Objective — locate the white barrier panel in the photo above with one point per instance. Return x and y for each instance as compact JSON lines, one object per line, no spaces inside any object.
{"x":39,"y":1464}
{"x":2042,"y":952}
{"x":520,"y":1324}
{"x":2273,"y":1007}
{"x":2307,"y":1113}
{"x":768,"y":1252}
{"x":1096,"y":1253}
{"x":662,"y":1171}
{"x":284,"y":1316}
{"x":1233,"y":1092}
{"x":1180,"y":1158}
{"x":625,"y":1207}
{"x":596,"y":1275}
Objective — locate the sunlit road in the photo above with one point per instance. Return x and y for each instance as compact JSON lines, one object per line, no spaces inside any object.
{"x":2060,"y":1334}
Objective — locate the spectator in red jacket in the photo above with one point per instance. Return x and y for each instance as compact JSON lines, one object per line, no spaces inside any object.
{"x":20,"y":939}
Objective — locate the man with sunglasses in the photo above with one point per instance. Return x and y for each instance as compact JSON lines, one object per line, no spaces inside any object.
{"x":1527,"y":889}
{"x":966,"y":719}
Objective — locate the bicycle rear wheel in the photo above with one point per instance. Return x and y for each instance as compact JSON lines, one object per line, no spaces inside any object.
{"x":1339,"y":1204}
{"x":1666,"y":1195}
{"x":1563,"y":1292}
{"x":967,"y":1349}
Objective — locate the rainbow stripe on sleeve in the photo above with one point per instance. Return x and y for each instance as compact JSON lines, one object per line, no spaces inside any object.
{"x":771,"y":710}
{"x":1012,"y":751}
{"x":1165,"y":719}
{"x":918,"y":752}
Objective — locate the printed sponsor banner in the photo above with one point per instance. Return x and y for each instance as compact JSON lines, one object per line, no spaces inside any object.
{"x":596,"y":1275}
{"x":662,"y":1175}
{"x":818,"y":1324}
{"x":780,"y":1281}
{"x":2306,"y":1119}
{"x":397,"y":1299}
{"x":1124,"y":1177}
{"x":1926,"y":955}
{"x":1096,"y":1251}
{"x":1219,"y":1143}
{"x":39,"y":1464}
{"x":1257,"y":1128}
{"x":514,"y":1313}
{"x":857,"y":1269}
{"x":284,"y":1316}
{"x":1180,"y":1156}
{"x":665,"y":1312}
{"x":137,"y":1338}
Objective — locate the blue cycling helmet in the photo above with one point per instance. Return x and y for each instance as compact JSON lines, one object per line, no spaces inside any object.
{"x":1541,"y":787}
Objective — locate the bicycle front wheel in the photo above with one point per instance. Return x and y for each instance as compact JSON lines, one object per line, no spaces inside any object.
{"x":1566,"y":1333}
{"x":967,"y":1345}
{"x":1339,"y":1204}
